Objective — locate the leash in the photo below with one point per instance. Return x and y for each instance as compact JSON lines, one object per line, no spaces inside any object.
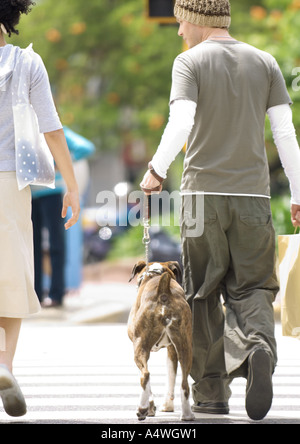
{"x":146,"y":222}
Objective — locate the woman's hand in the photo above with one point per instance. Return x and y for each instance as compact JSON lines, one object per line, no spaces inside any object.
{"x":71,"y":199}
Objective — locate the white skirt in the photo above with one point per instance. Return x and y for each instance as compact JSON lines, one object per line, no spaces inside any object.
{"x":17,"y":296}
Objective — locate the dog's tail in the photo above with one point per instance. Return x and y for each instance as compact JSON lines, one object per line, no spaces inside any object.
{"x":163,"y":290}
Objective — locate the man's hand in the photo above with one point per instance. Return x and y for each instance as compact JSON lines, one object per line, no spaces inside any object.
{"x":150,"y":185}
{"x":295,"y":215}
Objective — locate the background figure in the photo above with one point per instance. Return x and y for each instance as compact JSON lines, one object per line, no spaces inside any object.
{"x":46,"y":216}
{"x":81,"y":149}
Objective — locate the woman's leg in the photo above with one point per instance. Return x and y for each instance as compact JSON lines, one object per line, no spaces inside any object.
{"x":12,"y":397}
{"x":9,"y":334}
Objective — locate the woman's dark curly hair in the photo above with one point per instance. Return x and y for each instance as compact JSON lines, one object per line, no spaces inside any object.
{"x":10,"y":13}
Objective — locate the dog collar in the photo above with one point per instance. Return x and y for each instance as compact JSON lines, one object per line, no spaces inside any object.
{"x":153,"y":271}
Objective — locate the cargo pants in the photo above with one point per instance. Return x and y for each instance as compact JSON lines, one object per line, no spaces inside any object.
{"x":231,"y":262}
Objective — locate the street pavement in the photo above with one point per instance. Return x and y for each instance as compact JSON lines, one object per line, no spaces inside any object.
{"x":75,"y":366}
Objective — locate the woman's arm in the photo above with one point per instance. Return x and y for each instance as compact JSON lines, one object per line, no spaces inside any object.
{"x":58,"y":146}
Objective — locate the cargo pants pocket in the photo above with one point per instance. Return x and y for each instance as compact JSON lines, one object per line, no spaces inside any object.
{"x":254,"y":232}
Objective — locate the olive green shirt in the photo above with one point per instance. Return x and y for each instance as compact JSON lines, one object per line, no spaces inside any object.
{"x":233,"y":84}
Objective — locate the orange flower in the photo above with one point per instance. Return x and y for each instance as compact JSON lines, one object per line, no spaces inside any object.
{"x":77,"y":91}
{"x":78,"y":28}
{"x":295,"y":4}
{"x":258,"y":12}
{"x":127,"y":20}
{"x":68,"y":118}
{"x":53,"y":35}
{"x":147,"y":30}
{"x":276,"y":14}
{"x":61,"y":64}
{"x":156,"y":122}
{"x":113,"y":98}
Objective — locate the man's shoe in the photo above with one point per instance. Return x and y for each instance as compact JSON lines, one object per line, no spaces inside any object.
{"x":13,"y":400}
{"x":213,"y":408}
{"x":259,"y":391}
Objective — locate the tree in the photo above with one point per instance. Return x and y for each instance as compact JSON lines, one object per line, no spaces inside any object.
{"x":110,"y":69}
{"x":273,"y":27}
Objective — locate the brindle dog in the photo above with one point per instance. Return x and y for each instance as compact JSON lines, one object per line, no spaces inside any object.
{"x":161,"y":317}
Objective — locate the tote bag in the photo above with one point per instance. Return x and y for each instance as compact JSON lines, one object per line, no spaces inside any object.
{"x":289,"y":275}
{"x":34,"y":161}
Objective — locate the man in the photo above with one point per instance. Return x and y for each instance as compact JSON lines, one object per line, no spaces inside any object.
{"x":221,"y":91}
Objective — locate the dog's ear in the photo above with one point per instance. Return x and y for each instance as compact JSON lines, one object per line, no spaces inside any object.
{"x":176,"y":269}
{"x":137,"y":268}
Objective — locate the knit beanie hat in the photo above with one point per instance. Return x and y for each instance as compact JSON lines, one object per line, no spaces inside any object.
{"x":211,"y":13}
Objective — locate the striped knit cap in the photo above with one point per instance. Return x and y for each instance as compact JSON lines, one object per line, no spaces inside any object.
{"x":210,"y":13}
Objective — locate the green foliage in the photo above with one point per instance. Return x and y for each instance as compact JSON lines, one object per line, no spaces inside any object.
{"x":129,"y":244}
{"x":273,"y":26}
{"x":104,"y":58}
{"x":282,"y":215}
{"x":110,"y":69}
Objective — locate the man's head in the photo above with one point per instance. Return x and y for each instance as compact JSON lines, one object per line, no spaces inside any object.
{"x":207,"y":13}
{"x":199,"y":19}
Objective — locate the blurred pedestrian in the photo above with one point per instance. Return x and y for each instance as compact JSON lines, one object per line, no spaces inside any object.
{"x":221,"y":91}
{"x":17,"y":297}
{"x":81,"y":149}
{"x":46,"y":214}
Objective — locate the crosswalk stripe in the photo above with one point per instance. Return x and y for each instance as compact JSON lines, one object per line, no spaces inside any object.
{"x":105,"y":387}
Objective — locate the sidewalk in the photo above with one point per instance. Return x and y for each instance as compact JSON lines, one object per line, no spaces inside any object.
{"x":94,"y":303}
{"x":104,"y":296}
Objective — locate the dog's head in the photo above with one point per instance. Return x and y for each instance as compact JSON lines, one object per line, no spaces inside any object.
{"x":157,"y":268}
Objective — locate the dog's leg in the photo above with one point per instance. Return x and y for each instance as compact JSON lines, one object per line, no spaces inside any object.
{"x":146,"y":406}
{"x":184,"y":353}
{"x":186,"y":411}
{"x":172,"y":362}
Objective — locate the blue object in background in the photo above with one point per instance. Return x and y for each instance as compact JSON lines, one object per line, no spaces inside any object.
{"x":80,"y":149}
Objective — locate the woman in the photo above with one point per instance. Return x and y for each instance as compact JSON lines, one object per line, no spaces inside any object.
{"x":18,"y":299}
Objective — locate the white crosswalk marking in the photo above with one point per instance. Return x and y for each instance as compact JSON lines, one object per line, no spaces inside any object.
{"x":86,"y":374}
